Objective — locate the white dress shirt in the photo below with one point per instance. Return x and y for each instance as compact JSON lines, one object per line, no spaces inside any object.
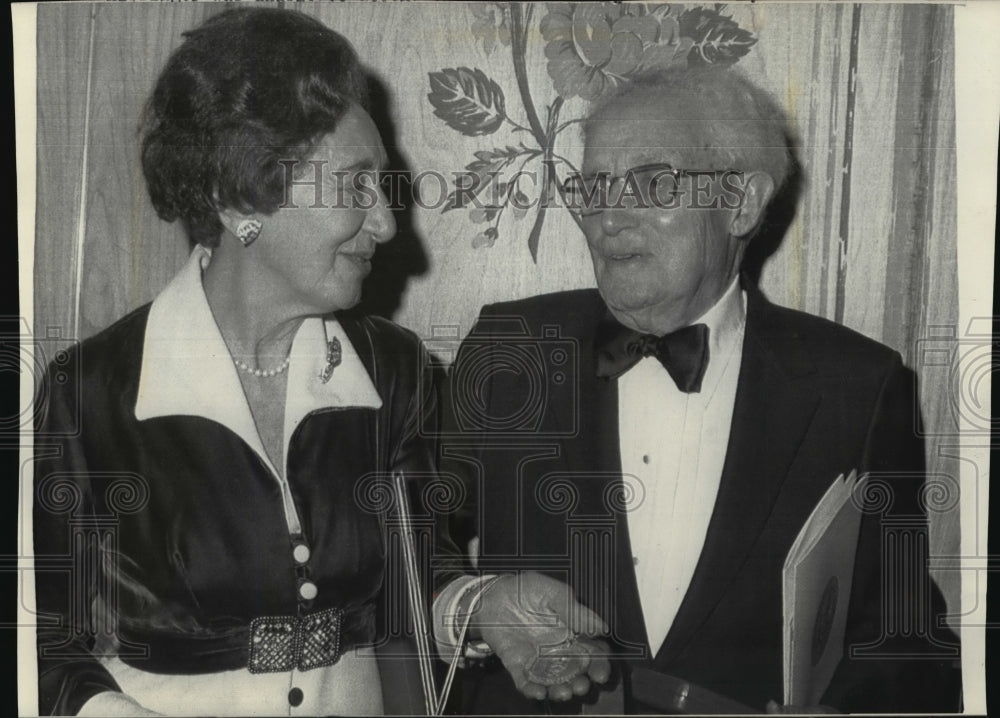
{"x":673,"y":446}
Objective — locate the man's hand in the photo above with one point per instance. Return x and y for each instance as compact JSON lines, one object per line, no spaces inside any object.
{"x":530,"y":617}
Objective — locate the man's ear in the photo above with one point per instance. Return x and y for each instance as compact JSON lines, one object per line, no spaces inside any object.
{"x":758,"y":188}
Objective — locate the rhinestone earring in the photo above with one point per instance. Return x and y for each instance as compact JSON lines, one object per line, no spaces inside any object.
{"x":247,"y":231}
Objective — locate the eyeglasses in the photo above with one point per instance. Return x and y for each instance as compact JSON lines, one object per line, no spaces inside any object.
{"x":653,"y":185}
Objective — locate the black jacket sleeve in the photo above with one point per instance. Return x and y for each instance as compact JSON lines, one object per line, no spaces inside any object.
{"x":67,"y":546}
{"x":897,"y":658}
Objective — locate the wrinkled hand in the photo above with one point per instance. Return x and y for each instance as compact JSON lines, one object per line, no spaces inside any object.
{"x":522,"y":615}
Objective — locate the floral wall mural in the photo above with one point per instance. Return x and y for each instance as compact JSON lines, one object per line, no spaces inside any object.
{"x":484,"y":88}
{"x":591,"y":49}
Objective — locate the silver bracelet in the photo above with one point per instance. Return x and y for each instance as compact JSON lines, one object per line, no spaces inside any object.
{"x":478,"y":648}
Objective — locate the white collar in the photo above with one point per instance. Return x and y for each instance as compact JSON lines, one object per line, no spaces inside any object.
{"x":187,"y":369}
{"x":725,"y":319}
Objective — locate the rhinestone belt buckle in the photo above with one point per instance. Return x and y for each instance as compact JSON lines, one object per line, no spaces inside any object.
{"x":281,"y":643}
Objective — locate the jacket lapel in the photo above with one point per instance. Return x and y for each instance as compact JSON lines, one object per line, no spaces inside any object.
{"x":773,"y":409}
{"x":592,"y":453}
{"x":629,"y":626}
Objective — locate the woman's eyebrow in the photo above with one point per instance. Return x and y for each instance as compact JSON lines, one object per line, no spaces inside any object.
{"x":365,"y":163}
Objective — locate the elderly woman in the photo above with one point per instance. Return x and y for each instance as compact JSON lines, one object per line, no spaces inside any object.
{"x":227,"y":428}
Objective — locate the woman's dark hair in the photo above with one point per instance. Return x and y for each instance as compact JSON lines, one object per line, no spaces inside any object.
{"x":249,"y":87}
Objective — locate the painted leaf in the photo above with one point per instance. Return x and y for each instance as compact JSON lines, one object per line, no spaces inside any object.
{"x":495,"y":160}
{"x":467,"y":100}
{"x":716,"y":38}
{"x":697,"y":22}
{"x":482,"y":173}
{"x":722,"y":47}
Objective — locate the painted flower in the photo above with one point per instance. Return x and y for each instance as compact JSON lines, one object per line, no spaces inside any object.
{"x":479,"y":215}
{"x":519,"y":207}
{"x":591,"y":47}
{"x":490,"y":24}
{"x":485,"y":239}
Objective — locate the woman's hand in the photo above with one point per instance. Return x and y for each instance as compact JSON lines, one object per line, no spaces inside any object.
{"x":111,"y":703}
{"x":529,"y":619}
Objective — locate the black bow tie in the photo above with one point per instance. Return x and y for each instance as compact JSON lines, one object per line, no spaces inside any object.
{"x":683,"y":353}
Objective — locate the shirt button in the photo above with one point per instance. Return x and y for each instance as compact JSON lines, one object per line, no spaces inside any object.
{"x":308,"y":590}
{"x":300,"y":553}
{"x":295,"y":697}
{"x":645,"y":458}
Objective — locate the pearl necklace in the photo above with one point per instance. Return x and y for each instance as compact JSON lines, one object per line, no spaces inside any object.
{"x":262,"y":372}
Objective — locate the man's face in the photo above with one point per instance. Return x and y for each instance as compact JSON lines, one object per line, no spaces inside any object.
{"x":658,"y":269}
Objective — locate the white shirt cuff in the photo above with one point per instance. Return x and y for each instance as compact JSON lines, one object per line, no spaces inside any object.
{"x":445,"y":612}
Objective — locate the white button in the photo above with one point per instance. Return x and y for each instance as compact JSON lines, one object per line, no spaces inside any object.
{"x":308,"y":590}
{"x":300,"y":553}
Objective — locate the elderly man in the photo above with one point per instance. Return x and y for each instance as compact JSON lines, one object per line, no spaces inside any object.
{"x":664,"y":438}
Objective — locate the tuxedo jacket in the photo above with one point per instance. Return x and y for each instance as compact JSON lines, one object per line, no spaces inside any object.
{"x":533,"y":431}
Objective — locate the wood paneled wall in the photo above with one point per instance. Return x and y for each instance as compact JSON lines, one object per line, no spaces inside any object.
{"x":869,"y":89}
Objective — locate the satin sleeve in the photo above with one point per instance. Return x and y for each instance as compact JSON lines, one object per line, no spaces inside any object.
{"x":66,"y":546}
{"x":434,"y":494}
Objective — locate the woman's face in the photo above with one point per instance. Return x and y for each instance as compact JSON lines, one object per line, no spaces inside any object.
{"x":316,"y":249}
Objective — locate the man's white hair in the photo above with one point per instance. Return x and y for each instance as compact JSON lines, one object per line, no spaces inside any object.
{"x":736,"y":121}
